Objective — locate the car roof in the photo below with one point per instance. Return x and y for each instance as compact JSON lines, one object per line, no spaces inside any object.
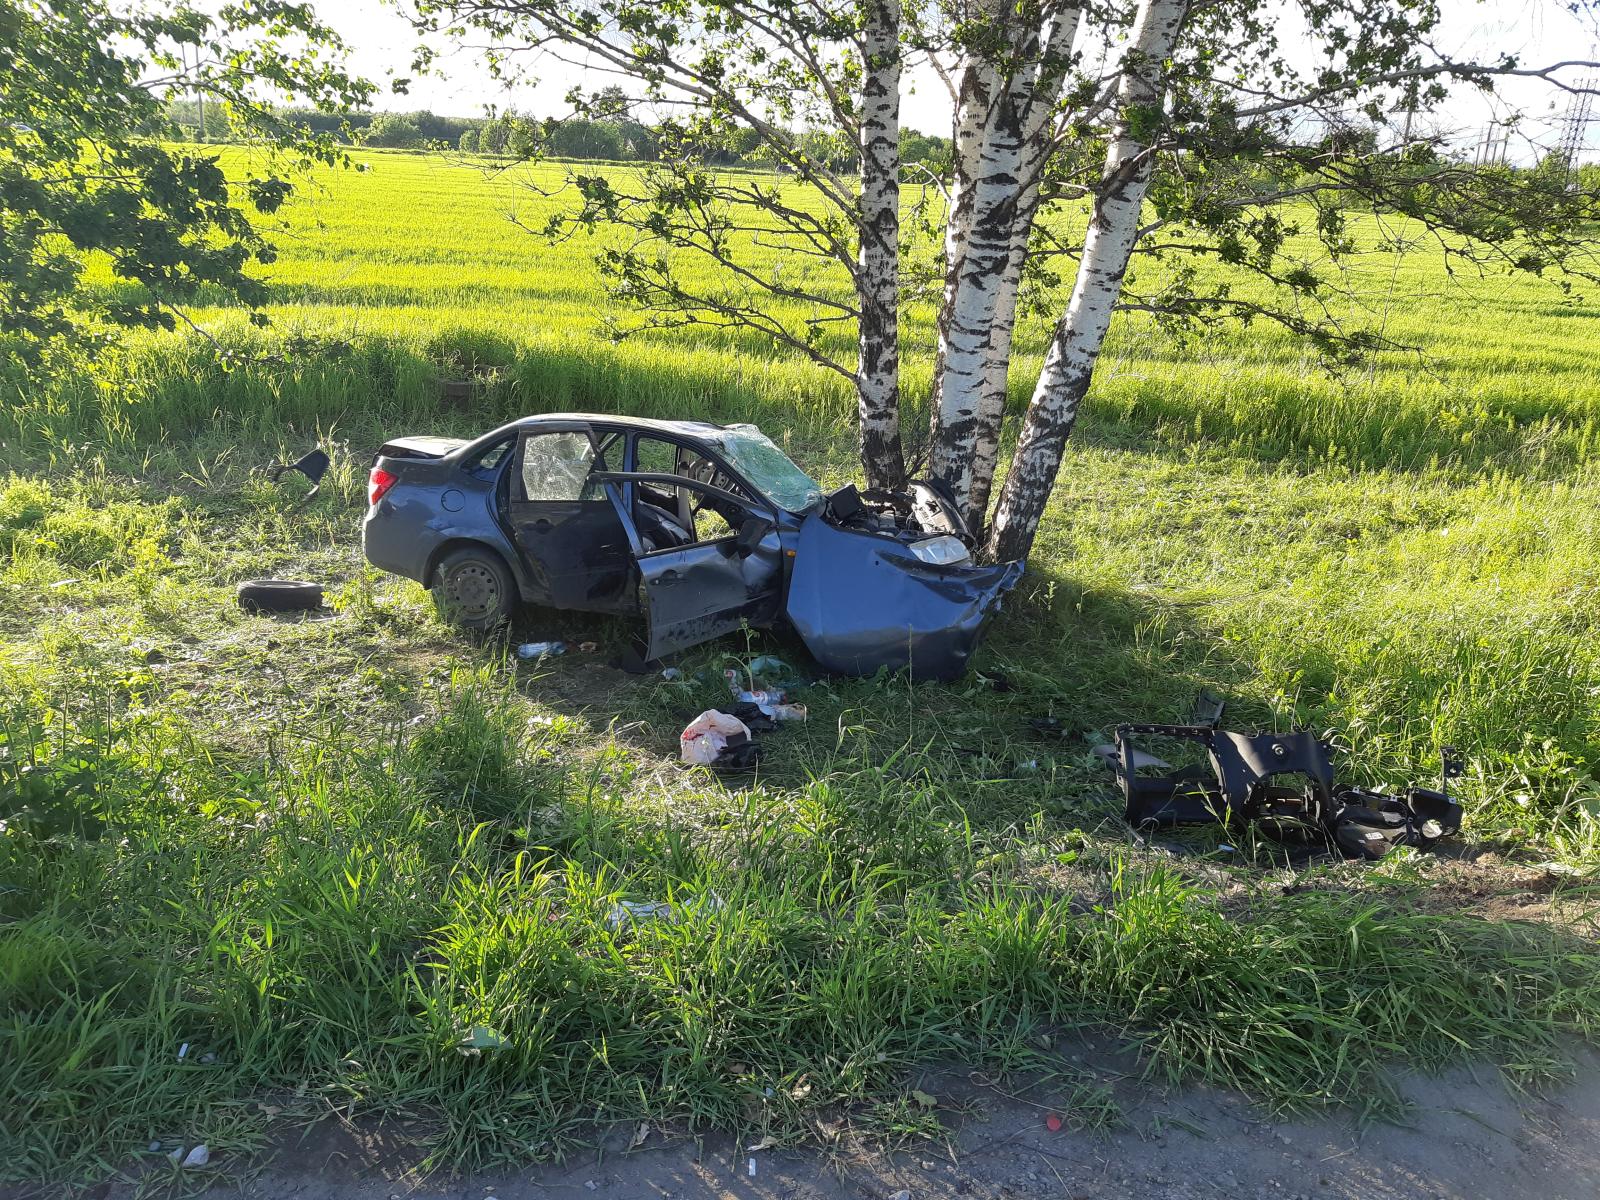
{"x":681,"y":428}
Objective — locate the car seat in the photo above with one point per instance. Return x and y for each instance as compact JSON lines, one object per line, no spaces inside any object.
{"x":658,"y":528}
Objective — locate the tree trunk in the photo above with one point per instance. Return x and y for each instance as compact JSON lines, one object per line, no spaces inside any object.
{"x":878,"y":258}
{"x":1080,"y":333}
{"x":977,"y":246}
{"x":997,"y":377}
{"x":994,"y":201}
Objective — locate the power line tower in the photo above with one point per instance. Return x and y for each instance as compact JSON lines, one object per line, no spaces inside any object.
{"x":1493,"y":147}
{"x":1575,"y":124}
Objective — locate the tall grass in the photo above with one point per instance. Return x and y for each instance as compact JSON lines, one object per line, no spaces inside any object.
{"x":358,"y":863}
{"x":425,"y":926}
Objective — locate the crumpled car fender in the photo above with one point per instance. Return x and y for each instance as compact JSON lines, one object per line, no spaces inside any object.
{"x":861,"y":602}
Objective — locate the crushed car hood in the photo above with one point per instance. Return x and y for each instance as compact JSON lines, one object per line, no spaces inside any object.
{"x":861,"y":602}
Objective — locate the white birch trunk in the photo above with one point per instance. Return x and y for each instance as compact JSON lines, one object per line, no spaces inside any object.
{"x":992,"y":216}
{"x":975,"y":89}
{"x":878,"y":258}
{"x":997,"y":375}
{"x":978,"y":244}
{"x":1080,"y":333}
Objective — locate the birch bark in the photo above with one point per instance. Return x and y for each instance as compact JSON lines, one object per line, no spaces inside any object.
{"x":1001,"y":147}
{"x":1080,"y":333}
{"x":878,"y":257}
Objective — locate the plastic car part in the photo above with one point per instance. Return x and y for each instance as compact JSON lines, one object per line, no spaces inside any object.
{"x":279,"y":595}
{"x":1283,"y":782}
{"x":944,"y":550}
{"x":313,"y":466}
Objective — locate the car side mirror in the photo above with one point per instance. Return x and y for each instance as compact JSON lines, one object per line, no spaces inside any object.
{"x":750,"y":535}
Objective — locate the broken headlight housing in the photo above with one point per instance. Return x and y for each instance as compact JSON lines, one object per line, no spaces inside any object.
{"x":944,"y":551}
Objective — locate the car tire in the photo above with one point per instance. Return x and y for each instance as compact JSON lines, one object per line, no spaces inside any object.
{"x":279,"y":595}
{"x":473,"y":589}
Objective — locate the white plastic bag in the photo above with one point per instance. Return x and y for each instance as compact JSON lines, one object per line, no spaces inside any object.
{"x":705,"y":736}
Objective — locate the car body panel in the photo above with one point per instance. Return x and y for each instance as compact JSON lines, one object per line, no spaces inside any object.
{"x":424,"y":446}
{"x":409,"y":529}
{"x":861,"y":603}
{"x":695,"y":593}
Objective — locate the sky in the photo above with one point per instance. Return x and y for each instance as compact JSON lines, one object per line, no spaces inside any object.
{"x":1538,"y":31}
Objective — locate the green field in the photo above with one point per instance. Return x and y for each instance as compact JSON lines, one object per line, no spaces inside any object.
{"x":325,"y":854}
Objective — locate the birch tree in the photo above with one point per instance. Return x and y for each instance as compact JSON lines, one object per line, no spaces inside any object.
{"x":815,"y":86}
{"x":1166,"y":157}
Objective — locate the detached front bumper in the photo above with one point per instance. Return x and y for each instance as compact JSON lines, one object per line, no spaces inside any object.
{"x":861,"y":602}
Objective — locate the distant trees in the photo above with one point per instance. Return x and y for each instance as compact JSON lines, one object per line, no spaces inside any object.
{"x":608,"y":132}
{"x":931,"y":151}
{"x":393,"y":131}
{"x":585,"y":139}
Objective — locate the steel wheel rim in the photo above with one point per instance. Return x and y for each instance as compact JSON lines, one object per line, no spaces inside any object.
{"x":473,"y":590}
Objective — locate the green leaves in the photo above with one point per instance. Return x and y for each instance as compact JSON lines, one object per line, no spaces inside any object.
{"x":84,"y":169}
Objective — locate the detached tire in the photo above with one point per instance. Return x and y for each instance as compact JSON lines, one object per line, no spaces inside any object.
{"x":473,"y":589}
{"x":279,"y":595}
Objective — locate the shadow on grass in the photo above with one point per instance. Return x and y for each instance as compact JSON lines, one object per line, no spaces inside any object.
{"x":1090,"y":658}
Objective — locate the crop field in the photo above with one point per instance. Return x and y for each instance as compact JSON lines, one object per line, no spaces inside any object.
{"x":357,"y":863}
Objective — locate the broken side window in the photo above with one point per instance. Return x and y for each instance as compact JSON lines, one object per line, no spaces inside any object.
{"x":557,"y":466}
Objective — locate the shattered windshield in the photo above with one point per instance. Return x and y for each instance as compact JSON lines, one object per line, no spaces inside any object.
{"x":771,"y":471}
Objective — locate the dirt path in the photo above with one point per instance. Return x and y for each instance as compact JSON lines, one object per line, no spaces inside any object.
{"x":1468,"y":1137}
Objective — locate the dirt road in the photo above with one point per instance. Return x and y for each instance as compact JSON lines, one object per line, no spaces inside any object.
{"x":1467,"y":1137}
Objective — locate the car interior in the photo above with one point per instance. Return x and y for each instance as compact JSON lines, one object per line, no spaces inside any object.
{"x":668,"y":517}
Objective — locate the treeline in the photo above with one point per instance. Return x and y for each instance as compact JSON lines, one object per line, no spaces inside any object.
{"x":614,"y":137}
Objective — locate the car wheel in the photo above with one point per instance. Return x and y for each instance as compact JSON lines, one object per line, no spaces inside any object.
{"x":279,"y":595}
{"x":473,"y":589}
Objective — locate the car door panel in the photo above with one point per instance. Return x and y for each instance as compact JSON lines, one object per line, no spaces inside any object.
{"x":692,"y":593}
{"x":695,"y":593}
{"x":577,"y":553}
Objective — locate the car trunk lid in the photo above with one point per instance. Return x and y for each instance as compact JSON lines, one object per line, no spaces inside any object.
{"x":420,"y":446}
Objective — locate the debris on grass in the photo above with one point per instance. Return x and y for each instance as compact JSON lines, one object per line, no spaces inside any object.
{"x":537,"y":650}
{"x":1283,"y":783}
{"x":478,"y":1039}
{"x":638,"y":912}
{"x":196,"y":1158}
{"x":705,"y":738}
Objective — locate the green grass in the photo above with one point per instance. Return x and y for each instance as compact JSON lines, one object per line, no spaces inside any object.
{"x":325,"y":853}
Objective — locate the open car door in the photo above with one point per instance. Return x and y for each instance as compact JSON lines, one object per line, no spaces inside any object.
{"x":699,"y":590}
{"x":570,"y":536}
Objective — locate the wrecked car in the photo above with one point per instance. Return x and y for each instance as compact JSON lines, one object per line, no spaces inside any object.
{"x":697,"y":528}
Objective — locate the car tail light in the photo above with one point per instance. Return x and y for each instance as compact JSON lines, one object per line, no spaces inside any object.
{"x":378,"y":483}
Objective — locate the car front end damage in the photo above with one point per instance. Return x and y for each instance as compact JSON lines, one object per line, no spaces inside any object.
{"x":887,"y":580}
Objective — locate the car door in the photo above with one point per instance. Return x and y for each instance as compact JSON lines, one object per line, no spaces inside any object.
{"x":692,"y":594}
{"x":564,"y":525}
{"x":707,"y":585}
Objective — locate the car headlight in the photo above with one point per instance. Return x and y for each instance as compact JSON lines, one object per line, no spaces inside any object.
{"x":945,"y":551}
